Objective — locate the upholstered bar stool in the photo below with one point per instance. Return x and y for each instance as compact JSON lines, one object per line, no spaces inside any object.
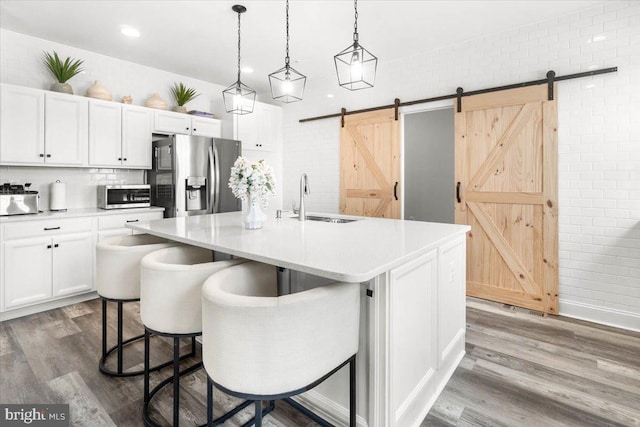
{"x":262,"y":347}
{"x":118,"y":280}
{"x":170,"y":305}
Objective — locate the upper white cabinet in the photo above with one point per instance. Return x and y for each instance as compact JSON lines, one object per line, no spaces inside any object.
{"x":171,"y":122}
{"x":66,"y":131}
{"x":40,"y":127}
{"x":137,"y":125}
{"x":260,"y":130}
{"x":119,"y":135}
{"x":105,"y":129}
{"x":22,"y":129}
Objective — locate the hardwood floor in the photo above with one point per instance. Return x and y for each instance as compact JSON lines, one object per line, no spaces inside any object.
{"x":520,"y":369}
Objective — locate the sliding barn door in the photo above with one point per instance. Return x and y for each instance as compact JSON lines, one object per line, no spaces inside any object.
{"x":506,"y":173}
{"x":370,"y":165}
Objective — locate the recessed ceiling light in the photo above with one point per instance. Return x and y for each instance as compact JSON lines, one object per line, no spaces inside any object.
{"x":247,"y":70}
{"x":130,"y":32}
{"x":329,"y":95}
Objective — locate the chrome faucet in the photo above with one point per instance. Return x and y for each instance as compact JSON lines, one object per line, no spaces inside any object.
{"x":304,"y":189}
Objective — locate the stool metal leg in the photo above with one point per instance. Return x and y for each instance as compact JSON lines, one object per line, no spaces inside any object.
{"x":146,"y":364}
{"x":209,"y":402}
{"x":119,"y":337}
{"x":104,"y":328}
{"x":352,"y":392}
{"x":258,"y":404}
{"x":176,"y":381}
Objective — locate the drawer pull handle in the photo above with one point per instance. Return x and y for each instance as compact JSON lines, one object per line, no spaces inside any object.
{"x":51,"y":228}
{"x":56,"y":245}
{"x":132,"y":220}
{"x":48,"y":246}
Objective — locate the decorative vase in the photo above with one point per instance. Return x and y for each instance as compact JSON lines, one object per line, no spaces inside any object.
{"x":62,"y":87}
{"x":179,"y":109}
{"x":253,"y":217}
{"x":155,"y":101}
{"x":99,"y":91}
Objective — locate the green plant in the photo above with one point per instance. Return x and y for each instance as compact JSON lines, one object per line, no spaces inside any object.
{"x":183,"y":94}
{"x":62,"y":71}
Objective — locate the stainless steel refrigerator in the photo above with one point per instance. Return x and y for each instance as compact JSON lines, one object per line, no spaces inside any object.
{"x":190,"y":175}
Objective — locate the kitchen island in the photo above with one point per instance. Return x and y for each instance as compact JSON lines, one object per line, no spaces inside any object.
{"x":412,"y":326}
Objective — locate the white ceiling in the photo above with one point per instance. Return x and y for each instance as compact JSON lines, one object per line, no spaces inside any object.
{"x":199,"y":38}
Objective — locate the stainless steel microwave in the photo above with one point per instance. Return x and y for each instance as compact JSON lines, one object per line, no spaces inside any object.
{"x":124,"y":196}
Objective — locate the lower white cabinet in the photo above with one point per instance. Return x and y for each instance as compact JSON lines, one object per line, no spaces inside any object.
{"x":37,"y":269}
{"x":115,"y":225}
{"x":26,"y":271}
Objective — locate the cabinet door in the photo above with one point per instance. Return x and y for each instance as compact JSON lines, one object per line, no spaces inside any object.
{"x":105,"y":148}
{"x":170,"y":122}
{"x":66,"y":129}
{"x":73,"y":256}
{"x":202,"y":126}
{"x":27,"y":271}
{"x":245,"y":129}
{"x":22,"y":130}
{"x":136,"y":136}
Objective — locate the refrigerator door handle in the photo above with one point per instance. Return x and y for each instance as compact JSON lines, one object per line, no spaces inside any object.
{"x":210,"y":207}
{"x":216,"y":162}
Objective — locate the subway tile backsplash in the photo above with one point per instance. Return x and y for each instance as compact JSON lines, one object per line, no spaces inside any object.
{"x":82,"y":183}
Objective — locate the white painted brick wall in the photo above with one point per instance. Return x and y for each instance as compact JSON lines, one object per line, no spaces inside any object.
{"x":599,"y":139}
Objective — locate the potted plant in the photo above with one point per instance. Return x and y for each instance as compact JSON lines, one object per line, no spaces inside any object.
{"x":62,"y":70}
{"x":182,"y":95}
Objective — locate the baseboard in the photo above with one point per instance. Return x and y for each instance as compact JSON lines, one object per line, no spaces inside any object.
{"x":606,"y":316}
{"x":328,"y":409}
{"x":45,"y":306}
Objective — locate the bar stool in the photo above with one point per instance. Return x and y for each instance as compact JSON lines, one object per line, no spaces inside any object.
{"x":170,"y":305}
{"x":259,"y":346}
{"x":118,"y":280}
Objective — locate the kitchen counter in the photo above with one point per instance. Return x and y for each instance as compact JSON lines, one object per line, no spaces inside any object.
{"x":353,"y":252}
{"x":412,"y":314}
{"x":75,"y":213}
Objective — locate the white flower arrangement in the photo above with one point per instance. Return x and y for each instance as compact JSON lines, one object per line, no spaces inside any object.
{"x":252,"y":180}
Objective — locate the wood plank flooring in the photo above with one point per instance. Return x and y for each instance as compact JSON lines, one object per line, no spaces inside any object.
{"x":520,"y":369}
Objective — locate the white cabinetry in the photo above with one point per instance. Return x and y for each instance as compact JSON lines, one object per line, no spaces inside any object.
{"x":66,"y":129}
{"x":46,"y":259}
{"x":119,"y":135}
{"x":105,"y":130}
{"x":260,"y":130}
{"x":137,"y":124}
{"x":22,"y":129}
{"x":170,"y":122}
{"x":115,"y":225}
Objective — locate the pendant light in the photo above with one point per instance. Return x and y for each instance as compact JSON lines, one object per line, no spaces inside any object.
{"x":287,"y":84}
{"x":356,"y":66}
{"x":239,"y":98}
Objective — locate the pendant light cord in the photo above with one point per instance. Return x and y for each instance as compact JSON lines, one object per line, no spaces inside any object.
{"x":239,"y":48}
{"x":355,"y":25}
{"x":286,"y":59}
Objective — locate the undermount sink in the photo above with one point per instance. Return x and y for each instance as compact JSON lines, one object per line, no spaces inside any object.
{"x":329,"y":219}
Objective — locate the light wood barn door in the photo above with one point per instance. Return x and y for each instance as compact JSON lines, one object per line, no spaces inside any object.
{"x":506,"y":164}
{"x":370,"y":165}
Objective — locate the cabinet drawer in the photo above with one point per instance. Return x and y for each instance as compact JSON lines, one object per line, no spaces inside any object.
{"x":108,"y":222}
{"x":49,"y":227}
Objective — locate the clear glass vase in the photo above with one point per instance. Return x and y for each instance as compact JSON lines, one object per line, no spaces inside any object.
{"x":253,"y":216}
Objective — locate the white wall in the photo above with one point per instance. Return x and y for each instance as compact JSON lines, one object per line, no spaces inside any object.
{"x":599,"y":139}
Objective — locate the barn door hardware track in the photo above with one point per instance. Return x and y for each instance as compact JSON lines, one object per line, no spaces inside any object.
{"x":551,"y":78}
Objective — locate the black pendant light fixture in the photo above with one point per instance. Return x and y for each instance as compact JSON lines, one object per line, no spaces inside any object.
{"x":287,"y":84}
{"x":239,"y":98}
{"x":356,"y":66}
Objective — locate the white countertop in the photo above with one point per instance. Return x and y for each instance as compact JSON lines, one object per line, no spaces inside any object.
{"x":352,"y":252}
{"x":75,"y":213}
